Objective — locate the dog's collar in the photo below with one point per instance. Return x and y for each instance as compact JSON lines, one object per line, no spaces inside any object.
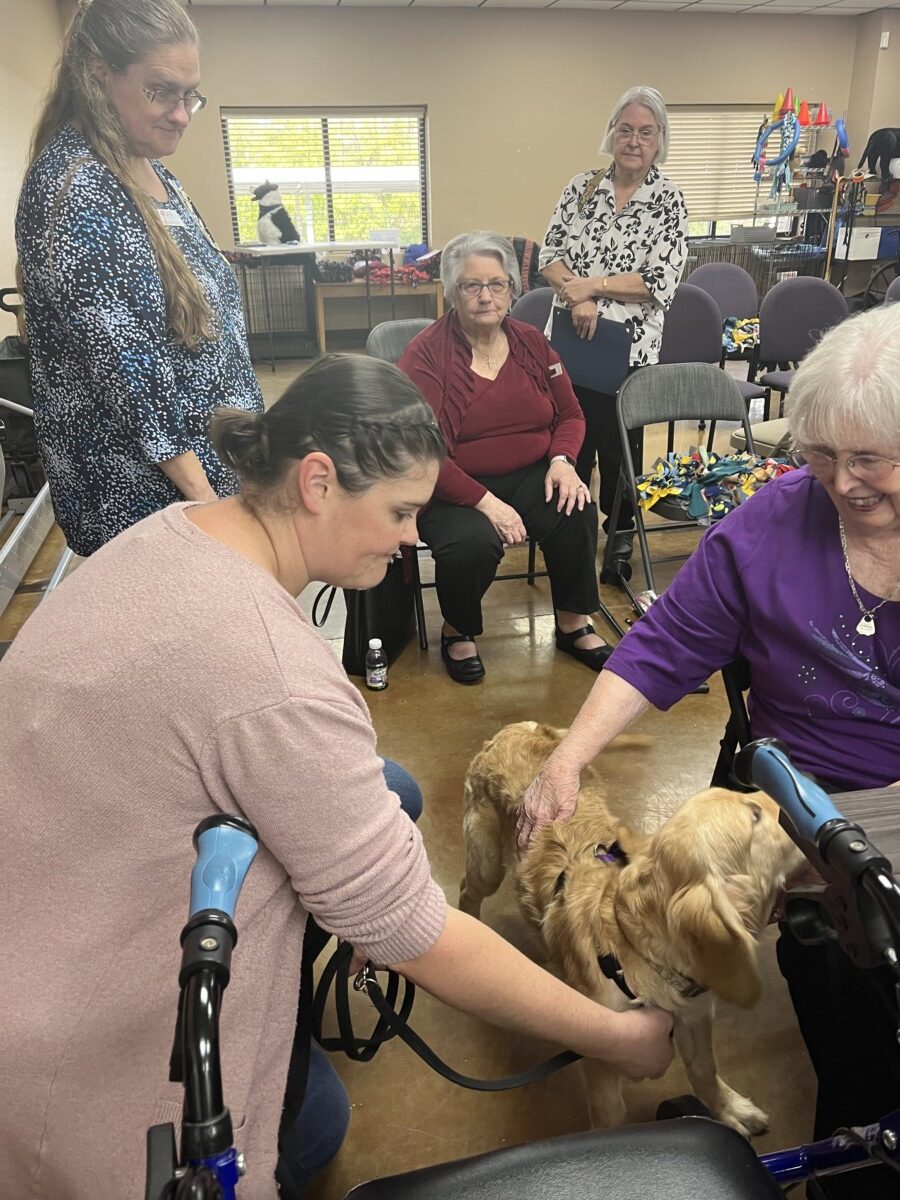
{"x":687,"y":988}
{"x":612,"y":969}
{"x":612,"y":854}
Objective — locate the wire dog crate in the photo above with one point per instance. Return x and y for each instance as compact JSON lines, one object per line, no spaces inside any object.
{"x":768,"y":260}
{"x":277,"y":295}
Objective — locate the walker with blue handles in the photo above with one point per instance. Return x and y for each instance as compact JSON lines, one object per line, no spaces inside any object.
{"x":859,"y":905}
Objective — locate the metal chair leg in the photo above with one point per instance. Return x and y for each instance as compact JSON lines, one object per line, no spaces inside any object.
{"x":532,"y":553}
{"x":417,"y":603}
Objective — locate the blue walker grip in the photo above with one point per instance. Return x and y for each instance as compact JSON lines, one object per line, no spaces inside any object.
{"x":807,"y":807}
{"x":226,"y":846}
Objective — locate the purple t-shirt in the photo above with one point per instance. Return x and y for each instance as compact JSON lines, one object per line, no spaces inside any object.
{"x":768,"y":582}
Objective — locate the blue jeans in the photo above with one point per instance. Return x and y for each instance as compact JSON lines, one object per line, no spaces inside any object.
{"x":321,"y":1125}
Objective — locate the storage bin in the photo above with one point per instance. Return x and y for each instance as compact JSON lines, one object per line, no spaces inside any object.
{"x":863,"y":243}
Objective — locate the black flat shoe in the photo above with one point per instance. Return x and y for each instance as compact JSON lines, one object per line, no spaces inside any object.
{"x":594,"y":658}
{"x":623,"y":545}
{"x":462,"y":670}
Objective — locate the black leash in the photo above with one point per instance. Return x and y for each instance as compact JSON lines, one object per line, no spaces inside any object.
{"x":392,"y":1022}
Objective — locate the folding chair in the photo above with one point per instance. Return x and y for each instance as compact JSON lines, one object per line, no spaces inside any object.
{"x":676,"y":392}
{"x":736,"y":678}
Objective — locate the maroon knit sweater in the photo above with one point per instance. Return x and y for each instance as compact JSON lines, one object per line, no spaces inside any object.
{"x":528,"y":413}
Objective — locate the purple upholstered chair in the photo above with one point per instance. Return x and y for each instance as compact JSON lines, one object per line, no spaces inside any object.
{"x":692,"y":333}
{"x":792,"y":318}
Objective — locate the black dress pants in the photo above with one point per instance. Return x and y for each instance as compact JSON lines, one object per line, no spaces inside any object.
{"x":467,"y":549}
{"x":848,"y":1019}
{"x":601,"y":439}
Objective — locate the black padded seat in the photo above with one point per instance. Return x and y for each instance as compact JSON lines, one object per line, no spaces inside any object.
{"x":691,"y":1158}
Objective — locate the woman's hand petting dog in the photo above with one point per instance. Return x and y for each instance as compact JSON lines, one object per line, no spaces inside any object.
{"x":553,"y":796}
{"x":645,"y":1047}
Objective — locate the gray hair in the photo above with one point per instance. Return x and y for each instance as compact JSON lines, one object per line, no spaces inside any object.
{"x":849,"y":385}
{"x":650,"y":98}
{"x":481,"y":241}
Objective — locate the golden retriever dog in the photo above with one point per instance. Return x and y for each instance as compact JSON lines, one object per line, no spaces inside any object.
{"x":679,"y":910}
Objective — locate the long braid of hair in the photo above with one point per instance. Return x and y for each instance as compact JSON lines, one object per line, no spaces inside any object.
{"x":78,"y":97}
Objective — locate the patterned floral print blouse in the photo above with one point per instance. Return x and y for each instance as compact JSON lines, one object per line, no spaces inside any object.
{"x":649,"y":235}
{"x":113,"y":394}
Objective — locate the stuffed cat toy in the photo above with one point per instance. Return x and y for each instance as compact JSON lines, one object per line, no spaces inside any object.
{"x":274,"y":225}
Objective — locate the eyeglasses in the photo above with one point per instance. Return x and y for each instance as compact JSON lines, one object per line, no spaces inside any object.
{"x":497,"y":287}
{"x":167,"y":99}
{"x":624,"y":133}
{"x":873,"y":468}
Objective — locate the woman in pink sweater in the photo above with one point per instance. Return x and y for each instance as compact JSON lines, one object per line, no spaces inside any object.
{"x":174,"y":676}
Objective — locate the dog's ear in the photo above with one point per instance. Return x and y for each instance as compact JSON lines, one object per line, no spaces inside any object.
{"x":720,"y":952}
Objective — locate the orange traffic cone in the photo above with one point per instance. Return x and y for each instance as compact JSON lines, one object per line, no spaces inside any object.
{"x":823,"y":118}
{"x":803,"y":116}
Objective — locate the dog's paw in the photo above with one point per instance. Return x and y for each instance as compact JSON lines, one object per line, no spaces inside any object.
{"x":743,"y":1115}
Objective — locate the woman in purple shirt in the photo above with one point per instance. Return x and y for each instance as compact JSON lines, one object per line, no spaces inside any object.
{"x":804,"y":583}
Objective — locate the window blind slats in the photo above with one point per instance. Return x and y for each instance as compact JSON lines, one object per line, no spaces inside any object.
{"x":343,"y":175}
{"x":710,"y":158}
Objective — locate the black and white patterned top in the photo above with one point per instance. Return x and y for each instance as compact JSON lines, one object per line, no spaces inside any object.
{"x":649,"y":236}
{"x":113,"y":394}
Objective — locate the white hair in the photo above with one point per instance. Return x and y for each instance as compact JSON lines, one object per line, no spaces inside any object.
{"x":848,"y":387}
{"x":650,"y":98}
{"x":481,"y":241}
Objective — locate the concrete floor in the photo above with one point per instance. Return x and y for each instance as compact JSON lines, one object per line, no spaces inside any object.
{"x":404,"y":1116}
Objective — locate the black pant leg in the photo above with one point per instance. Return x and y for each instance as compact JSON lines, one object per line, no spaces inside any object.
{"x":848,"y":1020}
{"x":467,"y":551}
{"x":603,"y":440}
{"x":569,"y":543}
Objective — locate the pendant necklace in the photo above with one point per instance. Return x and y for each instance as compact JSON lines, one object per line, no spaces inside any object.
{"x":866,"y":624}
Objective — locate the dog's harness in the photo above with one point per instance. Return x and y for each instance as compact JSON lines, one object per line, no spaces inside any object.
{"x":687,"y":988}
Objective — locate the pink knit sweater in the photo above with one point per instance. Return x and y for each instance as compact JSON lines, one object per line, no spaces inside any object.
{"x":170,"y":678}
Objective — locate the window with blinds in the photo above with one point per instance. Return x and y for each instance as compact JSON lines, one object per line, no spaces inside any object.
{"x":710,"y":153}
{"x":344,"y":175}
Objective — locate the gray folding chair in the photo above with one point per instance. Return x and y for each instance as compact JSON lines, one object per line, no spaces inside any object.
{"x":672,"y":392}
{"x":892,"y":295}
{"x":692,"y":333}
{"x":389,"y":339}
{"x":792,"y":318}
{"x":534,"y":307}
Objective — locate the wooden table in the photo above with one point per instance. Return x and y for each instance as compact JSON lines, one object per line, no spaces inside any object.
{"x":359,"y":291}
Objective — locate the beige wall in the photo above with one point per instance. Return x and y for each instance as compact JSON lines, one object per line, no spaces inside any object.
{"x":29,"y":48}
{"x":516,"y":98}
{"x":875,"y":91}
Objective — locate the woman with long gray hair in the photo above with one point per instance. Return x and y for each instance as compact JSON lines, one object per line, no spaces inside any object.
{"x":133,"y":317}
{"x":615,"y":247}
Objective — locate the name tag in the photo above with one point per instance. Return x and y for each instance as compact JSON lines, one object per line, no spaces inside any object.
{"x":171,"y":218}
{"x":555,"y":370}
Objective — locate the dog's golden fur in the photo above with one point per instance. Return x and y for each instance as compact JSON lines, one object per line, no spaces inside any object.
{"x":685,"y":909}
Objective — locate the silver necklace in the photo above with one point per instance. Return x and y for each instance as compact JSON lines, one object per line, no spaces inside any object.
{"x":866,"y":625}
{"x":488,"y":359}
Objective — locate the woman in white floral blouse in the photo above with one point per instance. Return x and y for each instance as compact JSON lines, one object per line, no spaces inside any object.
{"x":615,"y":247}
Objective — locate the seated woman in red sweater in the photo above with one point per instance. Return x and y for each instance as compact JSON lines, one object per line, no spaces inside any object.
{"x":513,"y":428}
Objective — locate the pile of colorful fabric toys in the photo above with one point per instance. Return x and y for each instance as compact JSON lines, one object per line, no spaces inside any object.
{"x":740,"y":334}
{"x":380,"y":273}
{"x":707,"y":486}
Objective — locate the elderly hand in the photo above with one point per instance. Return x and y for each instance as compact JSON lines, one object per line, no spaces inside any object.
{"x":584,"y":319}
{"x":504,"y":519}
{"x":576,"y":290}
{"x":553,"y":796}
{"x":563,"y":478}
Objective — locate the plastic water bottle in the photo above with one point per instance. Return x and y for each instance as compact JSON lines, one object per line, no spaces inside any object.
{"x":376,"y":666}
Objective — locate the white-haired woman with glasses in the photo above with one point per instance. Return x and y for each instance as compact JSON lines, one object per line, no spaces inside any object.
{"x":134,"y":318}
{"x":615,"y":247}
{"x":513,"y":430}
{"x":803,"y":582}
